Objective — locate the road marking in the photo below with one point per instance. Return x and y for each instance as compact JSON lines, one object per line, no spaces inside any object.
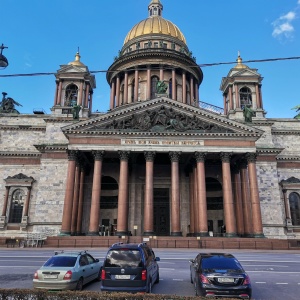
{"x":177,"y":279}
{"x":166,"y":269}
{"x":260,"y":282}
{"x":281,"y":283}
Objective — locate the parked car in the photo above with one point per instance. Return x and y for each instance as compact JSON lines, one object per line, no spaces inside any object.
{"x":67,"y":271}
{"x":219,"y":275}
{"x":129,"y":268}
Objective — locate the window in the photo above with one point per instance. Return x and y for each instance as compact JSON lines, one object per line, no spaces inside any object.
{"x":170,"y":89}
{"x":132,"y":90}
{"x":16,"y":210}
{"x":71,"y":95}
{"x":154,"y":81}
{"x":294,"y":200}
{"x":245,"y":97}
{"x":122,"y":100}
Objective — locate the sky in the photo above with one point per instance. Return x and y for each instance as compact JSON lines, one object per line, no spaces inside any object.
{"x":41,"y":35}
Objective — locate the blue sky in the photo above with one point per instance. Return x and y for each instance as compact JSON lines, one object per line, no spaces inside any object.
{"x":41,"y":35}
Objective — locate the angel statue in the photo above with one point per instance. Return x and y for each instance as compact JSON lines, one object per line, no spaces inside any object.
{"x":7,"y":105}
{"x":297,"y":107}
{"x":248,"y":113}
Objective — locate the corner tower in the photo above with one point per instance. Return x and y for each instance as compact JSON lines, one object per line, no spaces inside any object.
{"x":242,"y":88}
{"x":154,"y":50}
{"x":74,"y":86}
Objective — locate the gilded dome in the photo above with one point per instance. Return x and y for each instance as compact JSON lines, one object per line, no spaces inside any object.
{"x":155,"y":25}
{"x":77,"y":61}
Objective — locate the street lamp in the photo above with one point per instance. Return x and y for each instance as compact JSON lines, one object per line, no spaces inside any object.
{"x":3,"y":59}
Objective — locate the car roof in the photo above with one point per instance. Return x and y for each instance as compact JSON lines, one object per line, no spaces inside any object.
{"x":69,"y":253}
{"x":217,"y":255}
{"x":128,"y":245}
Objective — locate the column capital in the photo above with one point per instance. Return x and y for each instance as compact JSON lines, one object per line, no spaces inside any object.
{"x":149,"y":155}
{"x":251,"y":157}
{"x":72,"y":155}
{"x":98,"y":155}
{"x":124,"y":155}
{"x":174,"y":156}
{"x":200,"y":156}
{"x":225,"y":156}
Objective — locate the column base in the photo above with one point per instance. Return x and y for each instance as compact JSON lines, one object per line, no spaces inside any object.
{"x":93,"y":233}
{"x":177,"y":233}
{"x":148,"y":233}
{"x":201,"y":234}
{"x":65,"y":233}
{"x":231,"y":235}
{"x":258,"y":235}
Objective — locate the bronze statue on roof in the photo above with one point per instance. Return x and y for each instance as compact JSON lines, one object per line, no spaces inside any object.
{"x":7,"y":105}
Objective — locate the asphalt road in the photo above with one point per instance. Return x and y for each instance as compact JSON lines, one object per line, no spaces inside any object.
{"x":274,"y":274}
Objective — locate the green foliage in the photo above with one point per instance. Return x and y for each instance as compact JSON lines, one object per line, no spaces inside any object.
{"x":34,"y":294}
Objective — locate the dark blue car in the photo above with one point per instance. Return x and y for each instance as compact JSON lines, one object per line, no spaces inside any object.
{"x":129,"y":268}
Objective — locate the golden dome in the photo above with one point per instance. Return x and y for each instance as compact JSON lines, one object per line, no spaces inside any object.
{"x":240,"y":65}
{"x":155,"y":25}
{"x":77,"y":61}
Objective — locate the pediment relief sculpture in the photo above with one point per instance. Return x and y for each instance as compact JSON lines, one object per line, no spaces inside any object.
{"x":161,"y":119}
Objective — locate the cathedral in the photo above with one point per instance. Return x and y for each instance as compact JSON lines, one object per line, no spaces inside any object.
{"x":159,"y":162}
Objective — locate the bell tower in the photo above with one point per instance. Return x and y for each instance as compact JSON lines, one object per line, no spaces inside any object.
{"x":242,"y":91}
{"x":74,"y":86}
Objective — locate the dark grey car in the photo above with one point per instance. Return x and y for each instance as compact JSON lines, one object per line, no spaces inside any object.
{"x":129,"y":268}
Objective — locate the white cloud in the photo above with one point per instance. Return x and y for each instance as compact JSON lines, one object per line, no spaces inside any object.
{"x":283,"y":25}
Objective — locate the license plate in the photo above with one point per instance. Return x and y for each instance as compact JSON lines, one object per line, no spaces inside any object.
{"x":50,"y":276}
{"x":122,"y":276}
{"x":225,"y":279}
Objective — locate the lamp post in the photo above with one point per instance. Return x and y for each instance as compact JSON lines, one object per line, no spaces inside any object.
{"x":3,"y":59}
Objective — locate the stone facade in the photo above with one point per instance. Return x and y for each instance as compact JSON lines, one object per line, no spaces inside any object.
{"x":154,"y":164}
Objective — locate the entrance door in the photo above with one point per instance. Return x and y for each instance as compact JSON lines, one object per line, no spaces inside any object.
{"x":161,"y":211}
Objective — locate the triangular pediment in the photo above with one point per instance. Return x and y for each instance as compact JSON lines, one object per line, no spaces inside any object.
{"x":72,"y":69}
{"x":162,"y":116}
{"x":243,"y":72}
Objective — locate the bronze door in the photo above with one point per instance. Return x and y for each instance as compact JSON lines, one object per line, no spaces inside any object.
{"x":161,"y":212}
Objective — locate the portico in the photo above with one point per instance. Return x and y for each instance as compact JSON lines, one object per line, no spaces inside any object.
{"x":163,"y":158}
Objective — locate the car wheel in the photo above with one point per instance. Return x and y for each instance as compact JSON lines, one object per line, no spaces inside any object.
{"x":79,"y":284}
{"x":157,"y":278}
{"x":191,"y":278}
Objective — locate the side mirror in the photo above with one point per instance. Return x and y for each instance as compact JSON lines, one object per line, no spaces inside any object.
{"x":157,"y":258}
{"x":191,"y":261}
{"x":96,"y":260}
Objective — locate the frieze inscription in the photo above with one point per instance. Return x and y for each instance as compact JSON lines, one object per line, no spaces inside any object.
{"x":162,"y":143}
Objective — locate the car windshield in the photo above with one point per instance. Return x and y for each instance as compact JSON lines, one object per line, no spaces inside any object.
{"x":61,"y":261}
{"x":123,"y":258}
{"x":215,"y":264}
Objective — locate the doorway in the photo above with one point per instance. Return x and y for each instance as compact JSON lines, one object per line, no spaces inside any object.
{"x":161,"y":211}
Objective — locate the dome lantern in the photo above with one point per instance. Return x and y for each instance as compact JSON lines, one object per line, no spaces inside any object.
{"x":155,"y":8}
